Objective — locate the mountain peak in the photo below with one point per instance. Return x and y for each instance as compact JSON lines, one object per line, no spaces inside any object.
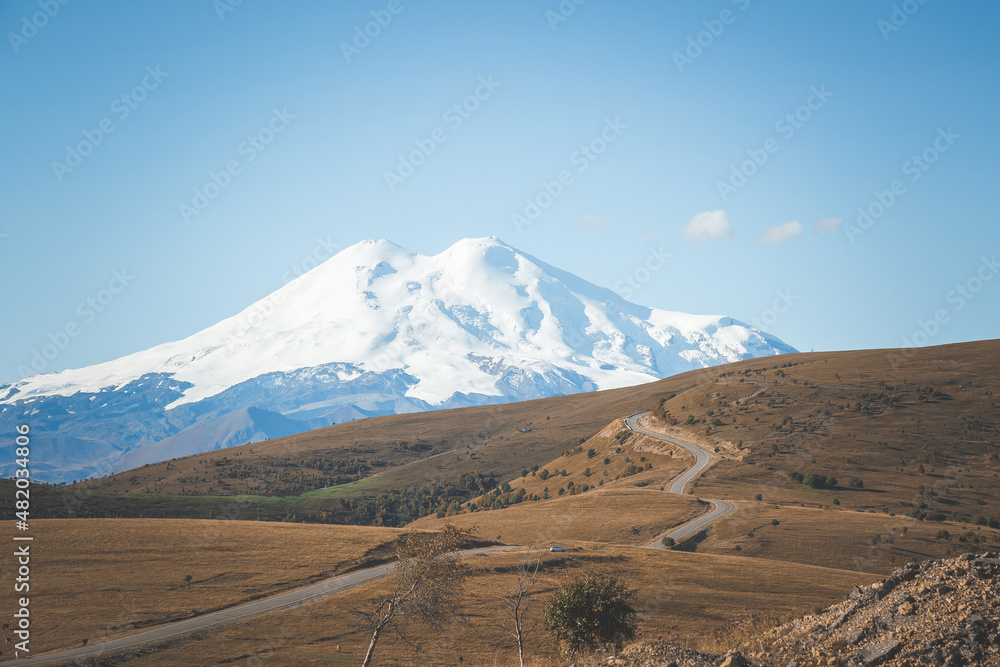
{"x":382,"y":329}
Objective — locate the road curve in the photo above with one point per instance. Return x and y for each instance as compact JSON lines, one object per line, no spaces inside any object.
{"x":702,"y":460}
{"x":345,"y":582}
{"x":278,"y":602}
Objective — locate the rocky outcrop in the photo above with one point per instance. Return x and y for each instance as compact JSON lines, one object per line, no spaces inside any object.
{"x":940,"y":613}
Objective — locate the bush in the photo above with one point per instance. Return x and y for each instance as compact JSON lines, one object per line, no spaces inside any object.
{"x":857,"y":484}
{"x":591,"y":453}
{"x":593,"y":609}
{"x":774,"y":522}
{"x":758,"y":496}
{"x":815,"y":481}
{"x":942,"y":535}
{"x":607,"y":460}
{"x":668,"y":542}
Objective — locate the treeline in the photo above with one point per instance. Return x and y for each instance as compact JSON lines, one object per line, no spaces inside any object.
{"x":394,"y":507}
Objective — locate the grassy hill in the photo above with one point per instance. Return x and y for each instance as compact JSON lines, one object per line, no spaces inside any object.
{"x":917,"y":428}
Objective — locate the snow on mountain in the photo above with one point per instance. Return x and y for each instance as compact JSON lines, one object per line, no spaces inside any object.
{"x":378,"y":329}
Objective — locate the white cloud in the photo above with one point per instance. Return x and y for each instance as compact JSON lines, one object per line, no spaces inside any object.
{"x":827,"y":225}
{"x":591,"y":222}
{"x":782,"y":232}
{"x":707,"y":226}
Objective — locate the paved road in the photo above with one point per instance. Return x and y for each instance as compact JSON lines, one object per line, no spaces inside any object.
{"x":275,"y":603}
{"x":702,"y":461}
{"x":347,"y":581}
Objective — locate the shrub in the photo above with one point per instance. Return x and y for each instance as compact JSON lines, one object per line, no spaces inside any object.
{"x":857,"y":484}
{"x":774,"y":522}
{"x":592,"y":609}
{"x":942,"y":535}
{"x":758,"y":496}
{"x":668,"y":542}
{"x":607,"y":460}
{"x":591,"y":453}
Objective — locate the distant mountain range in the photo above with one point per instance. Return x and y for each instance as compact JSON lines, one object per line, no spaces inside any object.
{"x":374,"y":330}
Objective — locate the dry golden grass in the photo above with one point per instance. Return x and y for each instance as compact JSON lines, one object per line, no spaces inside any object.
{"x":621,"y":448}
{"x":488,"y":438}
{"x":94,"y":578}
{"x":632,"y":516}
{"x":856,"y":414}
{"x":861,"y":541}
{"x":693,"y":597}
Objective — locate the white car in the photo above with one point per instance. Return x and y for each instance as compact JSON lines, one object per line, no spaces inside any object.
{"x":554,"y":548}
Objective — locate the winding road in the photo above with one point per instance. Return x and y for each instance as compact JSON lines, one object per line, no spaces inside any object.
{"x":286,"y":600}
{"x":345,"y":582}
{"x":702,"y":460}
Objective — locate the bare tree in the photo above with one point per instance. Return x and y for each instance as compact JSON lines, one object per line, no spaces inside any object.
{"x":428,"y":585}
{"x":516,"y":601}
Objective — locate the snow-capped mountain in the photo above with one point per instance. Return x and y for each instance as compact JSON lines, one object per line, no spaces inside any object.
{"x":376,"y":329}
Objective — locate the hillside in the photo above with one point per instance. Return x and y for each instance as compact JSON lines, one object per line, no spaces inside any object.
{"x":799,"y":545}
{"x":918,"y":438}
{"x":400,"y":450}
{"x":921,"y":437}
{"x":125,"y":587}
{"x":898,"y":513}
{"x":941,"y":612}
{"x":374,"y":330}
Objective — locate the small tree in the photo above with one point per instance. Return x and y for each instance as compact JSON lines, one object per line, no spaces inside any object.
{"x":516,"y":600}
{"x":668,"y":542}
{"x":593,"y":609}
{"x":857,"y":484}
{"x":429,"y":580}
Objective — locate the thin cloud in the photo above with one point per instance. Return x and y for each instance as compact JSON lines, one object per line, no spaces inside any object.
{"x":827,"y":225}
{"x":707,"y":226}
{"x":782,"y":232}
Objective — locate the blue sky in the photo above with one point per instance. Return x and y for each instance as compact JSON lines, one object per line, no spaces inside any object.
{"x":829,"y":102}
